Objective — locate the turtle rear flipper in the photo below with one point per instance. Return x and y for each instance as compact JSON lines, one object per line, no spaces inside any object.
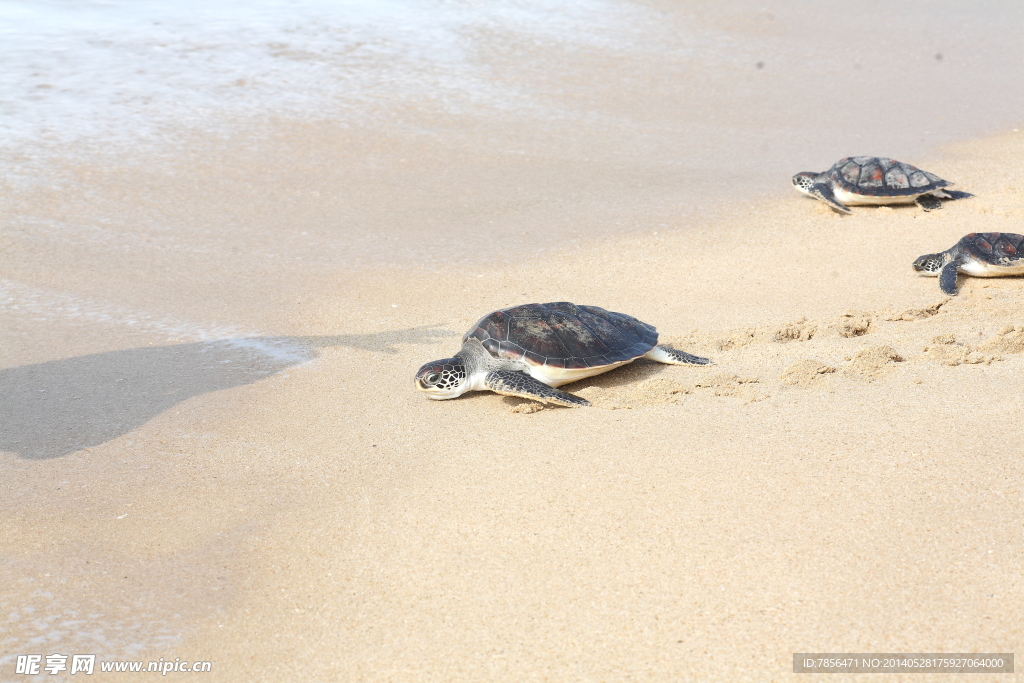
{"x":664,"y":354}
{"x":511,"y":383}
{"x":928,"y":202}
{"x":823,"y":192}
{"x":957,"y":194}
{"x":947,"y":277}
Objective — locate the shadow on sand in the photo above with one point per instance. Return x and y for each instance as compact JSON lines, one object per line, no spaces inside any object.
{"x":59,"y":407}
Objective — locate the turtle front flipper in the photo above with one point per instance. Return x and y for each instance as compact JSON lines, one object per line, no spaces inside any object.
{"x":947,"y":277}
{"x":823,"y":192}
{"x":928,"y":202}
{"x":664,"y":354}
{"x":511,"y":383}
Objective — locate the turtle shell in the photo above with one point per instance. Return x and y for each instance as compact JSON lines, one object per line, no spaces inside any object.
{"x":563,"y":335}
{"x":882,"y":177}
{"x":996,"y":248}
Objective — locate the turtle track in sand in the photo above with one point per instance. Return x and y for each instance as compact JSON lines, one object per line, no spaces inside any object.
{"x":760,"y":363}
{"x":850,"y":324}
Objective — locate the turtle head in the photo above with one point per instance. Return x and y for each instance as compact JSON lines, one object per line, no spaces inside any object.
{"x":441,"y":379}
{"x":803,"y":181}
{"x":930,"y":264}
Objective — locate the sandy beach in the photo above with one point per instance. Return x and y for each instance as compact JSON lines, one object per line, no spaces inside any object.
{"x":211,"y":445}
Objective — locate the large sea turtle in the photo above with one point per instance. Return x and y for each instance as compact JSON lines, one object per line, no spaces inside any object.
{"x":982,"y":254}
{"x":875,"y":181}
{"x":530,"y":349}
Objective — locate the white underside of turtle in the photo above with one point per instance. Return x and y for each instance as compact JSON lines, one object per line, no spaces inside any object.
{"x":556,"y":377}
{"x":854,"y":199}
{"x":982,"y":269}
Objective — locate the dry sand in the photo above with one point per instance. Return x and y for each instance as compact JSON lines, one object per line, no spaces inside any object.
{"x":847,"y":477}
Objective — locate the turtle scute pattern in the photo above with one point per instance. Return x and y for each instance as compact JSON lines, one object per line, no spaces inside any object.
{"x":882,"y":176}
{"x":994,"y":247}
{"x":563,"y":335}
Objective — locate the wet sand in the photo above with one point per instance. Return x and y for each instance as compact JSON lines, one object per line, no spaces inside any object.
{"x":212,"y":449}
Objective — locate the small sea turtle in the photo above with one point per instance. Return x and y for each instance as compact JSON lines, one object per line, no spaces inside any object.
{"x":527,"y":350}
{"x":982,"y":254}
{"x":875,"y":181}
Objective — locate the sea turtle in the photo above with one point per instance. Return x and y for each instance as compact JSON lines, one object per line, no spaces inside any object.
{"x":530,"y":349}
{"x":982,"y":254}
{"x":875,"y":181}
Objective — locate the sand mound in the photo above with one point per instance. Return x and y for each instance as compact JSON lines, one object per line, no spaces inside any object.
{"x":525,"y":406}
{"x":1009,"y":340}
{"x":946,"y":350}
{"x":912,"y":314}
{"x":872,"y":362}
{"x":801,"y":330}
{"x":806,"y":372}
{"x":853,"y":324}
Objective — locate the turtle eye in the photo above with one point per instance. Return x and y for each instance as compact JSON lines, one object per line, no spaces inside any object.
{"x":433,"y":378}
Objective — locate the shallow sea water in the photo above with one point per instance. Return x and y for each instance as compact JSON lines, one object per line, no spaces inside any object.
{"x":117,"y":72}
{"x":113,"y":71}
{"x":569,"y":114}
